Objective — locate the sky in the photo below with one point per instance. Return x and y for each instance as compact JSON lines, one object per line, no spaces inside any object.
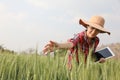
{"x":33,"y":23}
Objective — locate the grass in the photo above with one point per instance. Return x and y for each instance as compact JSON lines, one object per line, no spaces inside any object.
{"x":35,"y":67}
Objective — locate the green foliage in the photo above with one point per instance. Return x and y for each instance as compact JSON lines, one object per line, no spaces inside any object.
{"x":35,"y":67}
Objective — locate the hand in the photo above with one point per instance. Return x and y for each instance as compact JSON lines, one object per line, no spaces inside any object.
{"x":50,"y":46}
{"x":102,"y":60}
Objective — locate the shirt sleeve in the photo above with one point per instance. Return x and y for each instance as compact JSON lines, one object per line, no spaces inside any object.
{"x":74,"y":40}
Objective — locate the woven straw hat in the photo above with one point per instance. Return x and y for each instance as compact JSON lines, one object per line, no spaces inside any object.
{"x":96,"y":22}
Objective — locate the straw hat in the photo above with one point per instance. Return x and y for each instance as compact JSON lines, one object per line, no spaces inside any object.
{"x":96,"y":22}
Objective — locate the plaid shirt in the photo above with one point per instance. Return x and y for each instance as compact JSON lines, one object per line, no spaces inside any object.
{"x":84,"y":45}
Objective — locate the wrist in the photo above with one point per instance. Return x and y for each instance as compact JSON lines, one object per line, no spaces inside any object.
{"x":65,"y":45}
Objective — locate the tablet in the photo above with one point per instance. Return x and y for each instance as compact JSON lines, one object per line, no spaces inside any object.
{"x":105,"y":53}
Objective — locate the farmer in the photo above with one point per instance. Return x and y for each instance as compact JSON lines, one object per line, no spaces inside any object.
{"x":86,"y":39}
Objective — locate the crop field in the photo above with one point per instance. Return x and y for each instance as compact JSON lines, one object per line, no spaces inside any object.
{"x":36,"y":67}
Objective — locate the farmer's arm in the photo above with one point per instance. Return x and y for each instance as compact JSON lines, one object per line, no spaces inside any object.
{"x":51,"y":46}
{"x":65,"y":45}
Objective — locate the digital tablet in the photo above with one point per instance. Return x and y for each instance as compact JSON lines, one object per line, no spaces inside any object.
{"x":105,"y":53}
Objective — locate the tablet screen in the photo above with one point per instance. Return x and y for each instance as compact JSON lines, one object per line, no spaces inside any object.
{"x":105,"y":53}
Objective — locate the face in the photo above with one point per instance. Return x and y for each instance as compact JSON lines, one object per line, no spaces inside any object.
{"x":92,"y":32}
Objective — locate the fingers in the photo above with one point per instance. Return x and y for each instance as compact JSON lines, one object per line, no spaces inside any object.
{"x":49,"y":47}
{"x":102,"y":60}
{"x":51,"y":44}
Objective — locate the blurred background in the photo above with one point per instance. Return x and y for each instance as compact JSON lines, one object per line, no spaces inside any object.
{"x":31,"y":24}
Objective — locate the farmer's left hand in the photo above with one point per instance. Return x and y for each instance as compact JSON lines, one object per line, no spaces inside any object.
{"x":102,"y":60}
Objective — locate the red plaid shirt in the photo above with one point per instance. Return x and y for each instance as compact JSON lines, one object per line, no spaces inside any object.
{"x":84,"y":45}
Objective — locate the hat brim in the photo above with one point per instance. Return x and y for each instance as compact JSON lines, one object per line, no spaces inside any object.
{"x":86,"y":24}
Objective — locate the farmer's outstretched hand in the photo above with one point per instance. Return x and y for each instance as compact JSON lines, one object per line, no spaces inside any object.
{"x":50,"y":46}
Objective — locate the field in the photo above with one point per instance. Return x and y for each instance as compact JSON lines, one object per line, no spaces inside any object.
{"x":35,"y":67}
